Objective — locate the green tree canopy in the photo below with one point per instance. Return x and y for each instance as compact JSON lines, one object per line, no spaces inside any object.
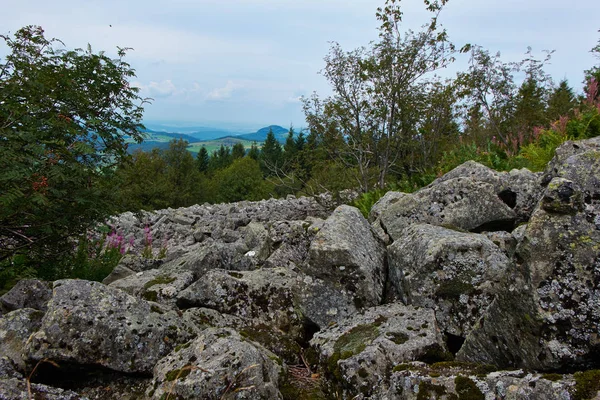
{"x":64,"y":121}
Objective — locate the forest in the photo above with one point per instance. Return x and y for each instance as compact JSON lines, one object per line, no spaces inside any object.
{"x":391,"y":123}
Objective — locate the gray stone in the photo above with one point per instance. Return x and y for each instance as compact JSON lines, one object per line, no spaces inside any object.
{"x":8,"y":369}
{"x":547,"y":313}
{"x":119,"y":272}
{"x":16,"y":389}
{"x":89,"y":323}
{"x":219,"y":364}
{"x":265,"y":296}
{"x":358,"y":353}
{"x":455,"y":273}
{"x":460,"y":202}
{"x":415,"y":381}
{"x":383,"y":203}
{"x":155,"y":285}
{"x":346,"y":254}
{"x":15,"y":329}
{"x":27,"y":293}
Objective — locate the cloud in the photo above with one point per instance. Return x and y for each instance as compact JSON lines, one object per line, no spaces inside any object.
{"x":224,"y":92}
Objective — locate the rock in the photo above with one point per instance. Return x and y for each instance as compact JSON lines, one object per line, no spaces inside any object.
{"x":520,"y":189}
{"x":414,"y":381}
{"x":346,"y":254}
{"x":358,"y":353}
{"x":455,"y":273}
{"x":217,"y":365}
{"x":265,"y":297}
{"x":155,"y":285}
{"x":289,"y":242}
{"x":460,"y":202}
{"x":562,"y":196}
{"x":8,"y":369}
{"x":27,"y":293}
{"x":383,"y":203}
{"x":88,"y":323}
{"x":16,"y":389}
{"x":547,"y":313}
{"x":119,"y":272}
{"x":15,"y":329}
{"x":204,"y":318}
{"x":569,"y":153}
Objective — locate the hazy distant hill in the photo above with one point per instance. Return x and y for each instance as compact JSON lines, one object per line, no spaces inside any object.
{"x":261,"y":134}
{"x":206,"y":138}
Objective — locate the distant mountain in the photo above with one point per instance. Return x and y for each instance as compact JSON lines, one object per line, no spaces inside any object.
{"x":211,"y":138}
{"x":261,"y":134}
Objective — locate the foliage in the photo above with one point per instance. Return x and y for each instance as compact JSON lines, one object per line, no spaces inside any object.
{"x":242,"y":180}
{"x":380,"y":94}
{"x":64,"y":119}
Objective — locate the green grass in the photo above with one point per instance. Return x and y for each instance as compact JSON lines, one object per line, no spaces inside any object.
{"x":212,"y":145}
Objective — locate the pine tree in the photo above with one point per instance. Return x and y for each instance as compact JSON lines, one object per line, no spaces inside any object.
{"x":561,"y":101}
{"x":202,"y":159}
{"x":271,"y":155}
{"x":238,"y":151}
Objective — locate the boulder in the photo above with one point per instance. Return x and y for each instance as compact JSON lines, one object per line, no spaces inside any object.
{"x":459,"y":202}
{"x":219,"y":364}
{"x":547,"y":313}
{"x":264,"y":297}
{"x":346,"y":254}
{"x":15,"y":329}
{"x":155,"y":285}
{"x":520,"y":189}
{"x":358,"y":353}
{"x":452,"y":380}
{"x":17,"y":389}
{"x":289,"y":242}
{"x":88,"y":323}
{"x":8,"y":369}
{"x":27,"y":293}
{"x":455,"y":273}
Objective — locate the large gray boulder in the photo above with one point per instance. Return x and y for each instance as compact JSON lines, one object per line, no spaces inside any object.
{"x":547,"y":313}
{"x":461,"y":202}
{"x":155,"y":285}
{"x":346,"y":254}
{"x":27,"y":293}
{"x":265,"y":297}
{"x":520,"y":189}
{"x":455,"y":273}
{"x":15,"y":329}
{"x":219,"y":364}
{"x":358,"y":353}
{"x":416,"y":381}
{"x":88,"y":323}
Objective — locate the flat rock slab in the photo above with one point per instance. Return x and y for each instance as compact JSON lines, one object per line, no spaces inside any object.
{"x":89,"y":323}
{"x":27,"y":293}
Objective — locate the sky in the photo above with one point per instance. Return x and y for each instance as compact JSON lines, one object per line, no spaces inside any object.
{"x":244,"y":64}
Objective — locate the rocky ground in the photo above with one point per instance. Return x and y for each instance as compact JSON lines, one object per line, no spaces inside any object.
{"x":483,"y":285}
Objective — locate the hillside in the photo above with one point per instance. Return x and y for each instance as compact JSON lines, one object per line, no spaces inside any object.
{"x":198,"y":139}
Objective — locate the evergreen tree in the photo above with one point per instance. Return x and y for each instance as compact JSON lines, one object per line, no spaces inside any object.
{"x":238,"y":151}
{"x":530,"y":106}
{"x":254,"y":152}
{"x":561,"y":101}
{"x":220,"y":159}
{"x":271,"y":155}
{"x":202,"y":159}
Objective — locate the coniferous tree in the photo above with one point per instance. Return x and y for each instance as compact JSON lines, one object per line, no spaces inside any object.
{"x":202,"y":159}
{"x":238,"y":151}
{"x":271,"y":154}
{"x":254,"y":152}
{"x":561,"y":102}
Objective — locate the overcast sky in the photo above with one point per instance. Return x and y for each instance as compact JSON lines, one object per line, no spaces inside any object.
{"x":246,"y":62}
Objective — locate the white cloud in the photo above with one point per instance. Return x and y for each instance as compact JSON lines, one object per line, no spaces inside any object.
{"x":224,"y":92}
